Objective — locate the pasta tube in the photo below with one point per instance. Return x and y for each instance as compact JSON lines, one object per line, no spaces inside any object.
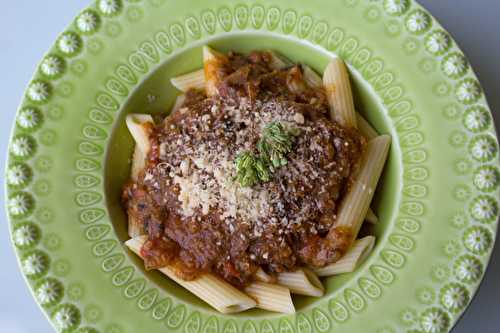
{"x":138,"y":162}
{"x":312,"y":78}
{"x":278,"y":61}
{"x":295,"y":80}
{"x":354,"y":206}
{"x":302,"y":281}
{"x":219,"y":294}
{"x":212,"y":61}
{"x":177,"y":105}
{"x":339,"y":93}
{"x":365,"y":128}
{"x":262,"y":276}
{"x":135,"y":228}
{"x":369,"y":133}
{"x":193,"y":80}
{"x":352,"y":259}
{"x":272,"y":297}
{"x":139,"y":126}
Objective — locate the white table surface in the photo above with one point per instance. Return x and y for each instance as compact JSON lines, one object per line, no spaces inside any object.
{"x":29,"y":27}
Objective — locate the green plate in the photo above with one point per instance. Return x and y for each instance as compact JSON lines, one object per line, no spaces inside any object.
{"x":69,"y":155}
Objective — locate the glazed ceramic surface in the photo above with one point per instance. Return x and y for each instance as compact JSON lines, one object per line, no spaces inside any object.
{"x":70,"y":153}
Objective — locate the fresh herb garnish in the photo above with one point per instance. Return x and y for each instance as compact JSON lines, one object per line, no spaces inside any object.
{"x":246,"y":171}
{"x":273,"y":146}
{"x":275,"y":143}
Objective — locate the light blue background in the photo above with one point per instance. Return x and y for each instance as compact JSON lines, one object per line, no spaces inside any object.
{"x":29,"y":27}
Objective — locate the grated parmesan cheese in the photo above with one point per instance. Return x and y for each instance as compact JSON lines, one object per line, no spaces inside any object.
{"x":205,"y":172}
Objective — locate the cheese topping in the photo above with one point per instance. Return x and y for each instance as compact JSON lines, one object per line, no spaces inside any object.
{"x":205,"y":176}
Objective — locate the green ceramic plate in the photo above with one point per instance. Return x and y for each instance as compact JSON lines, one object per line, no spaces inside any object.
{"x":69,"y":155}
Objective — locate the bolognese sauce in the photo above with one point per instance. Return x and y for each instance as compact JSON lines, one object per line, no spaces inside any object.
{"x":202,"y":211}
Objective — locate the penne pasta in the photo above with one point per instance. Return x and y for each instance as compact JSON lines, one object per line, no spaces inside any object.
{"x":371,"y":217}
{"x":271,"y":297}
{"x":312,"y":78}
{"x":339,"y":93}
{"x":138,"y":162}
{"x":212,"y":61}
{"x":262,"y":276}
{"x":365,"y":128}
{"x":135,"y":228}
{"x":140,"y":126}
{"x":278,"y":61}
{"x":193,"y":80}
{"x":211,"y":289}
{"x":295,"y":80}
{"x":302,"y":281}
{"x":177,"y":105}
{"x":352,"y":259}
{"x":354,"y":206}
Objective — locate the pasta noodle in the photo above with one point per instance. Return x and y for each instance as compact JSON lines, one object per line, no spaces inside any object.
{"x":278,"y":61}
{"x":365,"y":128}
{"x":302,"y":281}
{"x":138,"y":162}
{"x":271,"y":297}
{"x":211,"y":289}
{"x":211,"y":62}
{"x":188,"y":81}
{"x":139,"y":129}
{"x":139,"y":126}
{"x":178,"y":103}
{"x":356,"y":202}
{"x":339,"y":93}
{"x":351,"y":260}
{"x":295,"y":81}
{"x":312,"y":79}
{"x":263,"y":276}
{"x":134,"y":227}
{"x":371,"y":217}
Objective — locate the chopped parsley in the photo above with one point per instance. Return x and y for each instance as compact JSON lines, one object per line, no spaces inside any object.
{"x":275,"y":143}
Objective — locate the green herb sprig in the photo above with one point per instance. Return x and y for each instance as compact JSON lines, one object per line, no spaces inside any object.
{"x":250,"y":169}
{"x":273,"y":146}
{"x":275,"y":143}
